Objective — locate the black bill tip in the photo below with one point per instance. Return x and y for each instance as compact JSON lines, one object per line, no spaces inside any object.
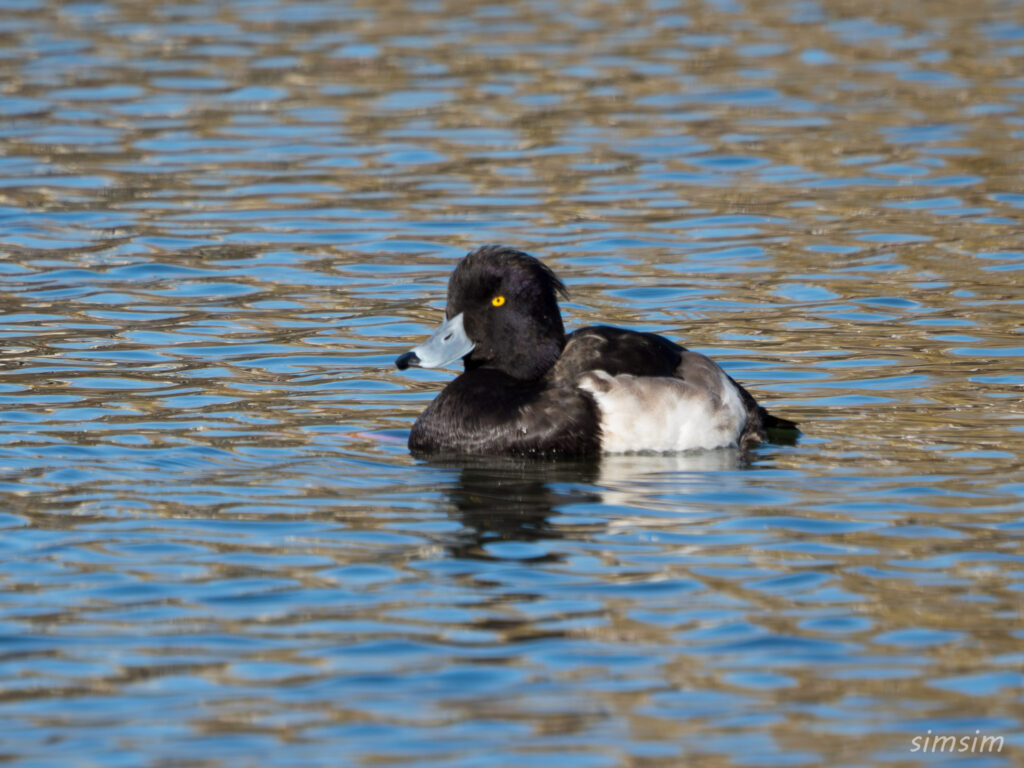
{"x":408,"y":360}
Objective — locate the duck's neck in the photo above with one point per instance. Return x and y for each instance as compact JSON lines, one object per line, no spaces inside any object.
{"x":527,"y":357}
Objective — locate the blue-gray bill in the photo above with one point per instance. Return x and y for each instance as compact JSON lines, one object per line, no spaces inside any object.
{"x":446,"y":345}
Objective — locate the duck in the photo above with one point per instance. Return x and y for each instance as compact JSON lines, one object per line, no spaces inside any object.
{"x":530,"y":389}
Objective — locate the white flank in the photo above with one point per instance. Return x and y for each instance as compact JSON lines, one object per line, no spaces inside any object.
{"x":645,"y":413}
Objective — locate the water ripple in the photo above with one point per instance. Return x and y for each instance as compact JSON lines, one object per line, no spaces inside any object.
{"x":221,"y":224}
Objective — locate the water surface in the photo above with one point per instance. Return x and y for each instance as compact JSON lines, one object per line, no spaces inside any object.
{"x":220,"y":224}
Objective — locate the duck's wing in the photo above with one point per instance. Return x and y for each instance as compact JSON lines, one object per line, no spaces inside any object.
{"x":616,"y":351}
{"x":679,"y":398}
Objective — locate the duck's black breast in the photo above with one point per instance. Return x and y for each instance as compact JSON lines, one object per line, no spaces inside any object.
{"x":488,"y":411}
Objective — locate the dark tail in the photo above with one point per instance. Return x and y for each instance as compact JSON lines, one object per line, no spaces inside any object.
{"x":761,"y":424}
{"x":780,"y":431}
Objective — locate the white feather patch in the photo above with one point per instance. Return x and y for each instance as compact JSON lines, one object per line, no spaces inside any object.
{"x":647,"y":413}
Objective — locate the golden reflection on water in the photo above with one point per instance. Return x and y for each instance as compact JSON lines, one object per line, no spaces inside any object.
{"x":221,"y":222}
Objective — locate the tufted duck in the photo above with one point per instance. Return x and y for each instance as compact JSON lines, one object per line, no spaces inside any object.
{"x":530,"y":389}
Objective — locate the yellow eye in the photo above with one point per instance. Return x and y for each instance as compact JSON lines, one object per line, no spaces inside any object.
{"x":497,"y":301}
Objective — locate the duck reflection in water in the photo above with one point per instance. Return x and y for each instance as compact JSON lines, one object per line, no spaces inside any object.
{"x":514,"y":499}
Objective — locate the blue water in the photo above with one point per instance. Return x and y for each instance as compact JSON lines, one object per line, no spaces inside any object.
{"x":221,"y":222}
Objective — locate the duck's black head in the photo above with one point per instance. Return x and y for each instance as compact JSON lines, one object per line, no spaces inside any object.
{"x":502,"y":313}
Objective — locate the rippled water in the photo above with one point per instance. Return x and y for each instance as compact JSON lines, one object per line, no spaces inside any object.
{"x":222,"y":221}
